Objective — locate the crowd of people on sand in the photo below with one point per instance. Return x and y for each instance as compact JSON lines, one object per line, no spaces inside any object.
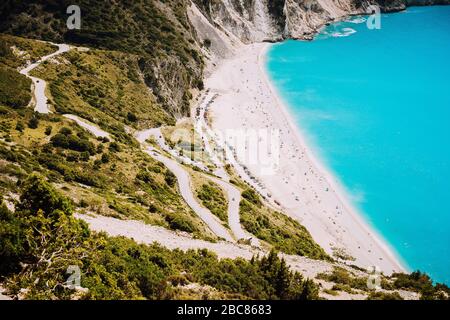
{"x":300,"y":185}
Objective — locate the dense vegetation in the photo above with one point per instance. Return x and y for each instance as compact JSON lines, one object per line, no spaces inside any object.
{"x":41,"y":239}
{"x":213,"y":198}
{"x":284,"y":233}
{"x":104,"y":87}
{"x":416,"y":282}
{"x":13,"y":88}
{"x":419,"y":282}
{"x":157,"y":32}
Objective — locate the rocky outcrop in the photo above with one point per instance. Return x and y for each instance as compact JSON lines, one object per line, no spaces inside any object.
{"x":274,"y":20}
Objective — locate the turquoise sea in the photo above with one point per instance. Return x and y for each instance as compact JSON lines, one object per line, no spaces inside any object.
{"x":375,"y":107}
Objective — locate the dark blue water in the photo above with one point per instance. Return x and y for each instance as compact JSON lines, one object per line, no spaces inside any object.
{"x":376,"y":106}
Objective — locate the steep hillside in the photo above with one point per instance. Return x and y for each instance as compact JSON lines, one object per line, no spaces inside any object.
{"x":112,"y":176}
{"x":135,"y":65}
{"x":157,"y":32}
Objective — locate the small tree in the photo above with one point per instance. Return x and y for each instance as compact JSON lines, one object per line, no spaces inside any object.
{"x":33,"y":123}
{"x":48,"y":130}
{"x":38,"y":194}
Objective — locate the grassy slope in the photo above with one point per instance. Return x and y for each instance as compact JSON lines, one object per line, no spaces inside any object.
{"x":282,"y":232}
{"x":275,"y":228}
{"x":104,"y":87}
{"x":14,"y":53}
{"x":41,"y":239}
{"x":210,"y":195}
{"x":115,"y":179}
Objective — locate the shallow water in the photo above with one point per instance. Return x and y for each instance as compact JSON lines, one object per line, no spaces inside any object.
{"x":375,"y":106}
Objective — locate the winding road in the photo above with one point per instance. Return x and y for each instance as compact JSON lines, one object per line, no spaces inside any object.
{"x":183,"y":176}
{"x":234,"y":194}
{"x":39,"y":96}
{"x":184,"y":184}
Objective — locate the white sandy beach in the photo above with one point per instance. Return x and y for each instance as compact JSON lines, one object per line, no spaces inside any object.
{"x":302,"y":186}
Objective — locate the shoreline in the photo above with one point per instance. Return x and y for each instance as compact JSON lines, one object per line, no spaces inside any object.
{"x":329,"y":175}
{"x":326,"y":211}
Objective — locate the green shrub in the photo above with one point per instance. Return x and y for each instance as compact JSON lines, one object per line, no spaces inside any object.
{"x":15,"y":88}
{"x":50,"y":239}
{"x":170,"y":178}
{"x":33,"y":123}
{"x":422,"y":283}
{"x":213,"y":198}
{"x":379,"y":295}
{"x":12,"y":243}
{"x":39,"y":195}
{"x":48,"y":130}
{"x":344,"y":280}
{"x":178,"y":222}
{"x":282,"y":232}
{"x":251,"y":196}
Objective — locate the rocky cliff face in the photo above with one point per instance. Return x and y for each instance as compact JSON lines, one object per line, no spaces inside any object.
{"x":273,"y":20}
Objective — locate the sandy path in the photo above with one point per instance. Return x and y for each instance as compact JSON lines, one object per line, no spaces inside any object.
{"x":245,"y":99}
{"x":148,"y":234}
{"x":234,"y":220}
{"x":234,"y":194}
{"x":93,"y":129}
{"x":41,"y":99}
{"x":39,"y":85}
{"x":184,"y":183}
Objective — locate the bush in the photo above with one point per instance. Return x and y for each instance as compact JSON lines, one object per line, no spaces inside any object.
{"x":178,"y":222}
{"x":60,"y":140}
{"x":68,"y":141}
{"x":145,"y":176}
{"x":15,"y":88}
{"x":213,"y":198}
{"x":49,"y":240}
{"x":65,"y":131}
{"x":12,"y":243}
{"x":343,"y":278}
{"x":170,"y":178}
{"x":114,"y":147}
{"x":379,"y":295}
{"x":422,"y":283}
{"x":251,"y":196}
{"x":33,"y":123}
{"x":19,"y":126}
{"x":38,"y":194}
{"x":105,"y":158}
{"x":131,"y":117}
{"x":48,"y":130}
